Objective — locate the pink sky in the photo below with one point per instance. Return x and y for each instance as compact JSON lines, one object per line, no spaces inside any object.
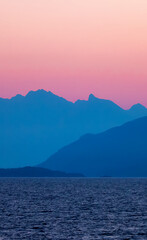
{"x":75,"y":47}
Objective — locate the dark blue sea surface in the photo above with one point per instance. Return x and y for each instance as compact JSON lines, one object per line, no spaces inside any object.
{"x":79,"y":209}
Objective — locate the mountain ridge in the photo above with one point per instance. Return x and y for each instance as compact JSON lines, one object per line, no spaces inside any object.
{"x":91,"y":97}
{"x":120,"y":152}
{"x":37,"y":125}
{"x":35,"y":172}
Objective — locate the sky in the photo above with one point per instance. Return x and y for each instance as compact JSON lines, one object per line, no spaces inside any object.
{"x":74,"y":48}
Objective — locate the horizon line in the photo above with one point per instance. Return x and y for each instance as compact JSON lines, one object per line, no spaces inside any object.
{"x":78,"y":99}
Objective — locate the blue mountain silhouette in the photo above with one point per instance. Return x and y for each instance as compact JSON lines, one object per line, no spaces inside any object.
{"x":35,"y":126}
{"x":35,"y":172}
{"x":118,"y":152}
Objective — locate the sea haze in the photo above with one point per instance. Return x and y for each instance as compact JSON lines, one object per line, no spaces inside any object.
{"x":75,"y":209}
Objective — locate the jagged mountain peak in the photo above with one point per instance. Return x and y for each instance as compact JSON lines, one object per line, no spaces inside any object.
{"x":138,"y":106}
{"x":39,"y":92}
{"x":17,"y":97}
{"x":46,"y":96}
{"x":92,"y":97}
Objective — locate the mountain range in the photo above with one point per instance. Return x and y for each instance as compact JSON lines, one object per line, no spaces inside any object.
{"x":117,"y":152}
{"x":34,"y":172}
{"x":35,"y":126}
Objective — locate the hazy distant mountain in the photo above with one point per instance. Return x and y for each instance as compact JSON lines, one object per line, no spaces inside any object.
{"x":34,"y":172}
{"x":138,"y":109}
{"x":120,"y":151}
{"x":37,"y":125}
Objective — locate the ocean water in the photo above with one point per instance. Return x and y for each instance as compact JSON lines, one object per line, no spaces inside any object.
{"x":79,"y":209}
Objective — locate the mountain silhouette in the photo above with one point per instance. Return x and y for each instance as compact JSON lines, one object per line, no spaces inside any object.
{"x":118,"y":152}
{"x":35,"y":172}
{"x":35,"y":126}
